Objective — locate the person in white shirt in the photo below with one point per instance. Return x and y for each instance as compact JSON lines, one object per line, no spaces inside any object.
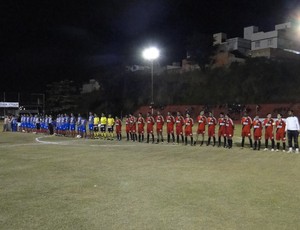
{"x":292,"y":127}
{"x":5,"y":124}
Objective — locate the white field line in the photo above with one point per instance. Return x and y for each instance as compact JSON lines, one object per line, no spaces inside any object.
{"x":39,"y":140}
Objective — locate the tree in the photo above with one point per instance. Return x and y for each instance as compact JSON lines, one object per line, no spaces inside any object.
{"x":61,"y":97}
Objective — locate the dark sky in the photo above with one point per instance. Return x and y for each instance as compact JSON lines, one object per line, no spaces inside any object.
{"x":51,"y":40}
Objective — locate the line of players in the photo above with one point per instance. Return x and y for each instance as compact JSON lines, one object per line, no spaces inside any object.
{"x":182,"y":127}
{"x":269,"y":125}
{"x":103,"y":127}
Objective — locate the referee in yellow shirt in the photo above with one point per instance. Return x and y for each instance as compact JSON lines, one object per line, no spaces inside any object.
{"x":96,"y":125}
{"x":103,"y":123}
{"x":110,"y":127}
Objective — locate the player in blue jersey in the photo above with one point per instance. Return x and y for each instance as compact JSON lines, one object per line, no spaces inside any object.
{"x":32,"y":123}
{"x":83,"y":127}
{"x":23,"y":121}
{"x":27,"y":123}
{"x":91,"y":125}
{"x":46,"y":124}
{"x":37,"y":124}
{"x":14,"y":124}
{"x":79,"y":124}
{"x":67,"y":124}
{"x":72,"y":125}
{"x":63,"y":125}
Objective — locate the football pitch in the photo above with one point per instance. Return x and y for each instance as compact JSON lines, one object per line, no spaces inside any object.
{"x":50,"y":182}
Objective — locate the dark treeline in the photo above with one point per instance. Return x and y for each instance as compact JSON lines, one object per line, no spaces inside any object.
{"x":257,"y":81}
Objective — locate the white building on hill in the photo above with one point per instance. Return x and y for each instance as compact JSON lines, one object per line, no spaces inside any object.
{"x":283,"y":42}
{"x":230,"y":50}
{"x":93,"y":85}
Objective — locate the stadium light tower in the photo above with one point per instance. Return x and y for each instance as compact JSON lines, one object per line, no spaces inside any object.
{"x":151,"y":54}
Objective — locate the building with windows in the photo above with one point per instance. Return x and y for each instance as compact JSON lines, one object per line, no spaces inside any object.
{"x":230,"y":50}
{"x":283,"y":42}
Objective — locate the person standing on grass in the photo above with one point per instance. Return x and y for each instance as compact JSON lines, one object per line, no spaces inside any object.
{"x":202,"y":120}
{"x":170,"y":127}
{"x":103,"y":123}
{"x":159,"y":120}
{"x":257,"y":132}
{"x":132,"y":123}
{"x":5,"y":124}
{"x":292,"y":128}
{"x":280,"y":132}
{"x":63,"y":125}
{"x":27,"y":123}
{"x":246,"y":129}
{"x":150,"y":124}
{"x":96,"y":126}
{"x":67,"y":124}
{"x":269,"y":124}
{"x":141,"y":125}
{"x":79,"y":118}
{"x":118,"y":124}
{"x":110,"y":127}
{"x":72,"y":125}
{"x":83,"y":127}
{"x":50,"y":125}
{"x":37,"y":121}
{"x":42,"y":121}
{"x":221,"y":131}
{"x":57,"y":125}
{"x":14,"y":124}
{"x":91,"y":125}
{"x":179,"y":121}
{"x":188,"y":131}
{"x":229,"y":129}
{"x":212,"y":122}
{"x":127,"y":127}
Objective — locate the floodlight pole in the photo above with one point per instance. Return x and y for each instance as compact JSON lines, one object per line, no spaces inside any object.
{"x":152,"y":82}
{"x":151,"y":54}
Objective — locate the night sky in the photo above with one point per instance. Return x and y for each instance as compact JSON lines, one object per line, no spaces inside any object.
{"x":42,"y":41}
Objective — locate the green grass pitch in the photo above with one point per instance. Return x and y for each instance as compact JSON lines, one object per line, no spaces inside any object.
{"x":49,"y":182}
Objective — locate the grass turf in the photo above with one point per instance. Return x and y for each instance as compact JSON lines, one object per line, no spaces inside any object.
{"x":62,"y":183}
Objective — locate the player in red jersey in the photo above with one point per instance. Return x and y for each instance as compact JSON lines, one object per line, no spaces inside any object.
{"x":127,"y":125}
{"x":222,"y":127}
{"x":159,"y":120}
{"x":269,"y":124}
{"x":280,"y":132}
{"x":179,"y":121}
{"x":212,"y":122}
{"x":118,"y":124}
{"x":141,"y":125}
{"x":229,"y":128}
{"x":246,"y":129}
{"x":132,"y":125}
{"x":257,"y":132}
{"x":170,"y":127}
{"x":202,"y":120}
{"x":188,"y":131}
{"x":150,"y":123}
